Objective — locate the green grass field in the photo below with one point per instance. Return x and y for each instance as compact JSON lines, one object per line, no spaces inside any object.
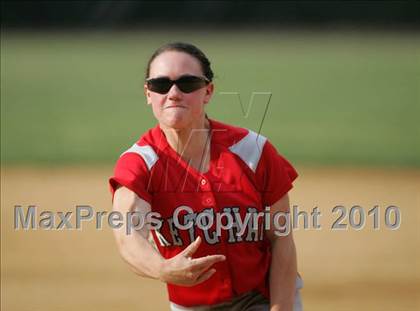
{"x":337,"y":98}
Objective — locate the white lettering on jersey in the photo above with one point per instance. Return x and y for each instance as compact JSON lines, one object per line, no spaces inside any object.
{"x":161,"y":239}
{"x":210,"y":238}
{"x":176,"y":240}
{"x":235,"y":229}
{"x":248,"y":229}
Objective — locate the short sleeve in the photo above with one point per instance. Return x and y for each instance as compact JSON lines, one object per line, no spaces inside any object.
{"x":131,"y":172}
{"x":275,"y":175}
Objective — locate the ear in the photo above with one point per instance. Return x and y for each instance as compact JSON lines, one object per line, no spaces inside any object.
{"x":147,"y":94}
{"x":209,"y":92}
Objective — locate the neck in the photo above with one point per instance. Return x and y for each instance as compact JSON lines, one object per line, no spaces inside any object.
{"x":190,"y":142}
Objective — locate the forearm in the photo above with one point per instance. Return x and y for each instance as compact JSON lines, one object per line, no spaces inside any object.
{"x":139,"y":254}
{"x":145,"y":260}
{"x":134,"y":247}
{"x":283,"y":274}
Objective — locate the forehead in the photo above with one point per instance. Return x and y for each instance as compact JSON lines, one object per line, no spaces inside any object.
{"x":174,"y":64}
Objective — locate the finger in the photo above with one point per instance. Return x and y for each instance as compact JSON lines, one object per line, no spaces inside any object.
{"x":192,"y":248}
{"x":205,"y":276}
{"x":207,"y":261}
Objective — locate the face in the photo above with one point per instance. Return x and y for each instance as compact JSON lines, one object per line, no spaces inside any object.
{"x":176,"y":109}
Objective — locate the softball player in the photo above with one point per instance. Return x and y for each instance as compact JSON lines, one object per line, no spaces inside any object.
{"x":206,"y":181}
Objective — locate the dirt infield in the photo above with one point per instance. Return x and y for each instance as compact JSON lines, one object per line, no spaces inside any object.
{"x":350,"y":269}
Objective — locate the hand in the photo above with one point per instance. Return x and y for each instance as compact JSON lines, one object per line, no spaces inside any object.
{"x":183,"y":270}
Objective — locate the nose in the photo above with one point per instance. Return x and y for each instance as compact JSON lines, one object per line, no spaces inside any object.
{"x":174,"y":92}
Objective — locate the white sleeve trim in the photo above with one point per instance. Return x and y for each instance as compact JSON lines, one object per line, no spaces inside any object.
{"x":249,"y":149}
{"x":146,"y":152}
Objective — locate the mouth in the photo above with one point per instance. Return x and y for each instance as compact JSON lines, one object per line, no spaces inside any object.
{"x":175,"y":106}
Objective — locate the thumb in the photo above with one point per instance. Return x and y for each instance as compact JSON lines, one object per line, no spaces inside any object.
{"x":192,"y":248}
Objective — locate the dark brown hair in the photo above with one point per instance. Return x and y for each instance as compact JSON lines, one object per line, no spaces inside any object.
{"x":186,"y":48}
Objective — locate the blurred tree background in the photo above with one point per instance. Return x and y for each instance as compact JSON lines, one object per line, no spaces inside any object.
{"x":151,"y":14}
{"x":343,"y":76}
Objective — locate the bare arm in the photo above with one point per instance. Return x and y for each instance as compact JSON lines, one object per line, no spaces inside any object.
{"x":143,"y":258}
{"x":283,"y":269}
{"x":134,"y":248}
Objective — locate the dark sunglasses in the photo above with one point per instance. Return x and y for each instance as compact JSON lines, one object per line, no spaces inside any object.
{"x":186,"y":84}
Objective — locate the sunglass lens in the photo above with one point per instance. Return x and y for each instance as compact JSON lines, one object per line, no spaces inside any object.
{"x":190,"y":84}
{"x":160,"y":85}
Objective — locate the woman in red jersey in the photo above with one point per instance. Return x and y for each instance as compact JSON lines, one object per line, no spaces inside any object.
{"x":215,"y":191}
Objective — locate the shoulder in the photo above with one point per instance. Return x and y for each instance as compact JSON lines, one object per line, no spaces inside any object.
{"x":133,"y":167}
{"x":245,"y":143}
{"x":144,"y":150}
{"x":229,"y":135}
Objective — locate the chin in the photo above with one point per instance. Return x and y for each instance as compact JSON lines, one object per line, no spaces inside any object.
{"x":177,"y":121}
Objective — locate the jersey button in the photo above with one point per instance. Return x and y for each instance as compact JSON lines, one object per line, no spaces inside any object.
{"x":204,"y":185}
{"x":208,"y":202}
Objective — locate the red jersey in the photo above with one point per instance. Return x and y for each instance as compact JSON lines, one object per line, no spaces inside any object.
{"x":245,"y":175}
